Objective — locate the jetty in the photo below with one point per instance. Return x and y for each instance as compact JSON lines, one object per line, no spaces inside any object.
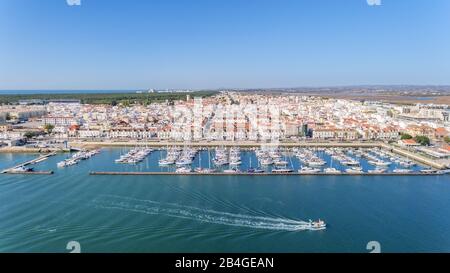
{"x":32,"y":172}
{"x":13,"y":170}
{"x":258,"y":174}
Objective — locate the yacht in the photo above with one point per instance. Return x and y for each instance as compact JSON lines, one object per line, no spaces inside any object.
{"x":377,"y":170}
{"x":280,"y":163}
{"x":350,"y":162}
{"x":379,"y":163}
{"x":183,"y":170}
{"x":282,"y":170}
{"x":401,"y":171}
{"x":428,"y":171}
{"x":331,"y":171}
{"x":316,"y":163}
{"x":354,"y":170}
{"x":257,"y":170}
{"x":204,"y":170}
{"x":266,"y":161}
{"x":61,"y":164}
{"x":406,"y":164}
{"x":233,"y":170}
{"x":165,"y":162}
{"x":183,"y":162}
{"x":235,"y":162}
{"x":22,"y":169}
{"x":308,"y":170}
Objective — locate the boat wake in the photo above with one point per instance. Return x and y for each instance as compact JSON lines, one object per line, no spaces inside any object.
{"x":198,"y":214}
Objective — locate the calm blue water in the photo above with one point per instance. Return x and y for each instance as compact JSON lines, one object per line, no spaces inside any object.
{"x":216,"y":214}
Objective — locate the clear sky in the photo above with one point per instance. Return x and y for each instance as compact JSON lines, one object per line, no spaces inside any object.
{"x":133,"y":44}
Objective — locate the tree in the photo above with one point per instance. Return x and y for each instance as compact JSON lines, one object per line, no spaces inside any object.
{"x":447,"y":139}
{"x":406,"y":136}
{"x":29,"y":135}
{"x":126,"y":103}
{"x":114,"y":103}
{"x":423,"y":140}
{"x":48,"y":128}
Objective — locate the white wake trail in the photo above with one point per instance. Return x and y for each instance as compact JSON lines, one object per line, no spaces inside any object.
{"x":198,"y":214}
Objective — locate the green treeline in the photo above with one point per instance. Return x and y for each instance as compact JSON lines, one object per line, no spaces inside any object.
{"x":111,"y":98}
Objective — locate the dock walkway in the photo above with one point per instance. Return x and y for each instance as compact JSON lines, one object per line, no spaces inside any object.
{"x":36,"y":160}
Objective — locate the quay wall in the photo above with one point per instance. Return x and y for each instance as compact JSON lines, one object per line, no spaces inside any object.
{"x":254,"y":174}
{"x":242,"y":144}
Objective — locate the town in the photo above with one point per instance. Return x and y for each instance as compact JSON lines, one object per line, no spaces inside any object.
{"x":229,"y":117}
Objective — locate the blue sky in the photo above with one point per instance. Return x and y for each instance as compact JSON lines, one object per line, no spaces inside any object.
{"x":120,"y":44}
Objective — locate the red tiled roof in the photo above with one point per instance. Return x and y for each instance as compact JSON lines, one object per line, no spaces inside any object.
{"x":409,"y":141}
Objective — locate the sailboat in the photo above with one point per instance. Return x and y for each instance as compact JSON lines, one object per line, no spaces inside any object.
{"x":283,"y":169}
{"x":252,"y":170}
{"x":199,"y":169}
{"x":331,"y":170}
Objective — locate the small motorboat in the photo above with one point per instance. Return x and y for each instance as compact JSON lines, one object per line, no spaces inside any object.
{"x":317,"y":225}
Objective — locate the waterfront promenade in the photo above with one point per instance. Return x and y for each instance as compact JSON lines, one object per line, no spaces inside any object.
{"x":241,"y":144}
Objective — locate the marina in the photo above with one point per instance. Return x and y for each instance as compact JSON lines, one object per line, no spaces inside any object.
{"x":179,"y":160}
{"x":264,"y":160}
{"x":77,"y":157}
